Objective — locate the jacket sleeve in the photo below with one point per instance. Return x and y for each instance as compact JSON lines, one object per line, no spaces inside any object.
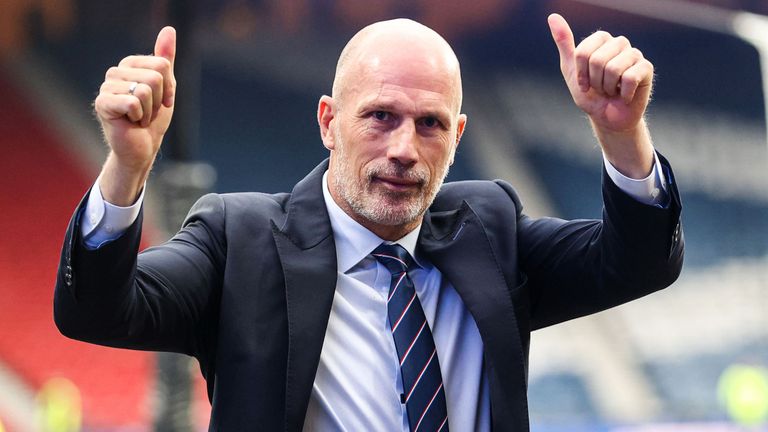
{"x":579,"y":267}
{"x":155,"y":300}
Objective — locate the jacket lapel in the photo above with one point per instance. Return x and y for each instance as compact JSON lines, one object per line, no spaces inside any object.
{"x":308,"y":256}
{"x":457,"y":244}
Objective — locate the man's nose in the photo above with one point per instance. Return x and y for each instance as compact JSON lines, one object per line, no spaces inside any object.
{"x":402,"y":145}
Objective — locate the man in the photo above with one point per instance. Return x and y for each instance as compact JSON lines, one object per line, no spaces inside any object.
{"x":296,"y":304}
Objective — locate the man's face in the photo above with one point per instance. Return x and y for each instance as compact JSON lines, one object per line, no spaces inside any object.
{"x":394,"y":138}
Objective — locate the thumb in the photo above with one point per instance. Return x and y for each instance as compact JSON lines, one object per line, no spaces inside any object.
{"x":563,"y":37}
{"x":165,"y":47}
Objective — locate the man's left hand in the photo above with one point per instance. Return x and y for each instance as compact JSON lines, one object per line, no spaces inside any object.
{"x":608,"y":78}
{"x":611,"y":82}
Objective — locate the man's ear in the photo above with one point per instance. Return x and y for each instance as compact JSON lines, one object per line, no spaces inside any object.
{"x":326,"y":112}
{"x":459,"y":132}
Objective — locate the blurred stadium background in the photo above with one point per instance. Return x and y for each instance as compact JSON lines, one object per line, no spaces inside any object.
{"x":690,"y":358}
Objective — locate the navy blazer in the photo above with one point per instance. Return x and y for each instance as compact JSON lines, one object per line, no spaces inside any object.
{"x":246,"y":286}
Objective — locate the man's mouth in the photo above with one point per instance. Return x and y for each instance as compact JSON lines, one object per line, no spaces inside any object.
{"x":397,"y":184}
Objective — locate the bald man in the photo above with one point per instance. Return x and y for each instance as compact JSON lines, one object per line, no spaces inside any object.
{"x":290,"y":301}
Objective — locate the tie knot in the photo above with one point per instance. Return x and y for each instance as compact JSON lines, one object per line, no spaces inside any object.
{"x":394,"y":257}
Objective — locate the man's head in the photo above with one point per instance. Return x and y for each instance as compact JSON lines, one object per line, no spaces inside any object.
{"x":392,"y":124}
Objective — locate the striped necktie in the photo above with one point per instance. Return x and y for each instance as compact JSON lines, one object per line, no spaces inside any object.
{"x":423,"y":390}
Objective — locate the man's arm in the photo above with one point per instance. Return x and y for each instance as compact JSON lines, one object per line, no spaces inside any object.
{"x":157,"y":300}
{"x":105,"y":293}
{"x":575,"y":268}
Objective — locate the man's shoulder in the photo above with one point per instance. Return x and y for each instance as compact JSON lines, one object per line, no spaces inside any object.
{"x":471,"y":185}
{"x":475,"y":192}
{"x":256,"y":199}
{"x":246,"y":204}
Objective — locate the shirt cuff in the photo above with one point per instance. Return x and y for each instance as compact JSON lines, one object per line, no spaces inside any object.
{"x":104,"y":222}
{"x":651,"y":190}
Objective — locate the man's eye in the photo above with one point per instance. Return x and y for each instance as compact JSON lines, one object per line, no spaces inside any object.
{"x":380,"y":115}
{"x":430,"y":122}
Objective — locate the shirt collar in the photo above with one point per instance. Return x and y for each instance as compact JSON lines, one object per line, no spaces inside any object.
{"x":353,"y":241}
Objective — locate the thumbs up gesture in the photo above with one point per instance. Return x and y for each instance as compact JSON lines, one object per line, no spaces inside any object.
{"x":611,"y":82}
{"x":135,"y":106}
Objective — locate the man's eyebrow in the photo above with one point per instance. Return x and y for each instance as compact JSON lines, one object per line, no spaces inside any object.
{"x":379,"y":105}
{"x":437,"y":113}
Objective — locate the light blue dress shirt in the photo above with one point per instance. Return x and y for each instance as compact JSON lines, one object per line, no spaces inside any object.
{"x":358,"y":385}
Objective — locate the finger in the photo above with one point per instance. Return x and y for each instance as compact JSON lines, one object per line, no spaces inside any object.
{"x":152,"y":78}
{"x":615,"y":68}
{"x":563,"y":37}
{"x":582,"y":56}
{"x":165,"y":47}
{"x":111,"y":106}
{"x":637,"y":81}
{"x":160,"y":64}
{"x":142,"y":94}
{"x":600,"y":59}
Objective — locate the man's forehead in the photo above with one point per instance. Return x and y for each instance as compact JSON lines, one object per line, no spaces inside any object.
{"x":404,"y":91}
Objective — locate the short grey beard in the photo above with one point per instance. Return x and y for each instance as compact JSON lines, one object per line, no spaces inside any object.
{"x":381,"y":209}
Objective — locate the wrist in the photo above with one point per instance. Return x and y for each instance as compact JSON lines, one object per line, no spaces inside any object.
{"x":121,"y":183}
{"x":630,"y":151}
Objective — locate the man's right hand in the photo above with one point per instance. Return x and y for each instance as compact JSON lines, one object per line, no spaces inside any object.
{"x":134,"y":122}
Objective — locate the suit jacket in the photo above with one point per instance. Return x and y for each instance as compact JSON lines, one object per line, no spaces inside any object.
{"x":246,"y":286}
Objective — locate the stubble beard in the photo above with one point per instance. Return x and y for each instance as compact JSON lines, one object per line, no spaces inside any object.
{"x":373,"y":201}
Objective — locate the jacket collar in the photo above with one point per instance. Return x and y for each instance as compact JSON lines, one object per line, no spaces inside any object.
{"x":307,"y":223}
